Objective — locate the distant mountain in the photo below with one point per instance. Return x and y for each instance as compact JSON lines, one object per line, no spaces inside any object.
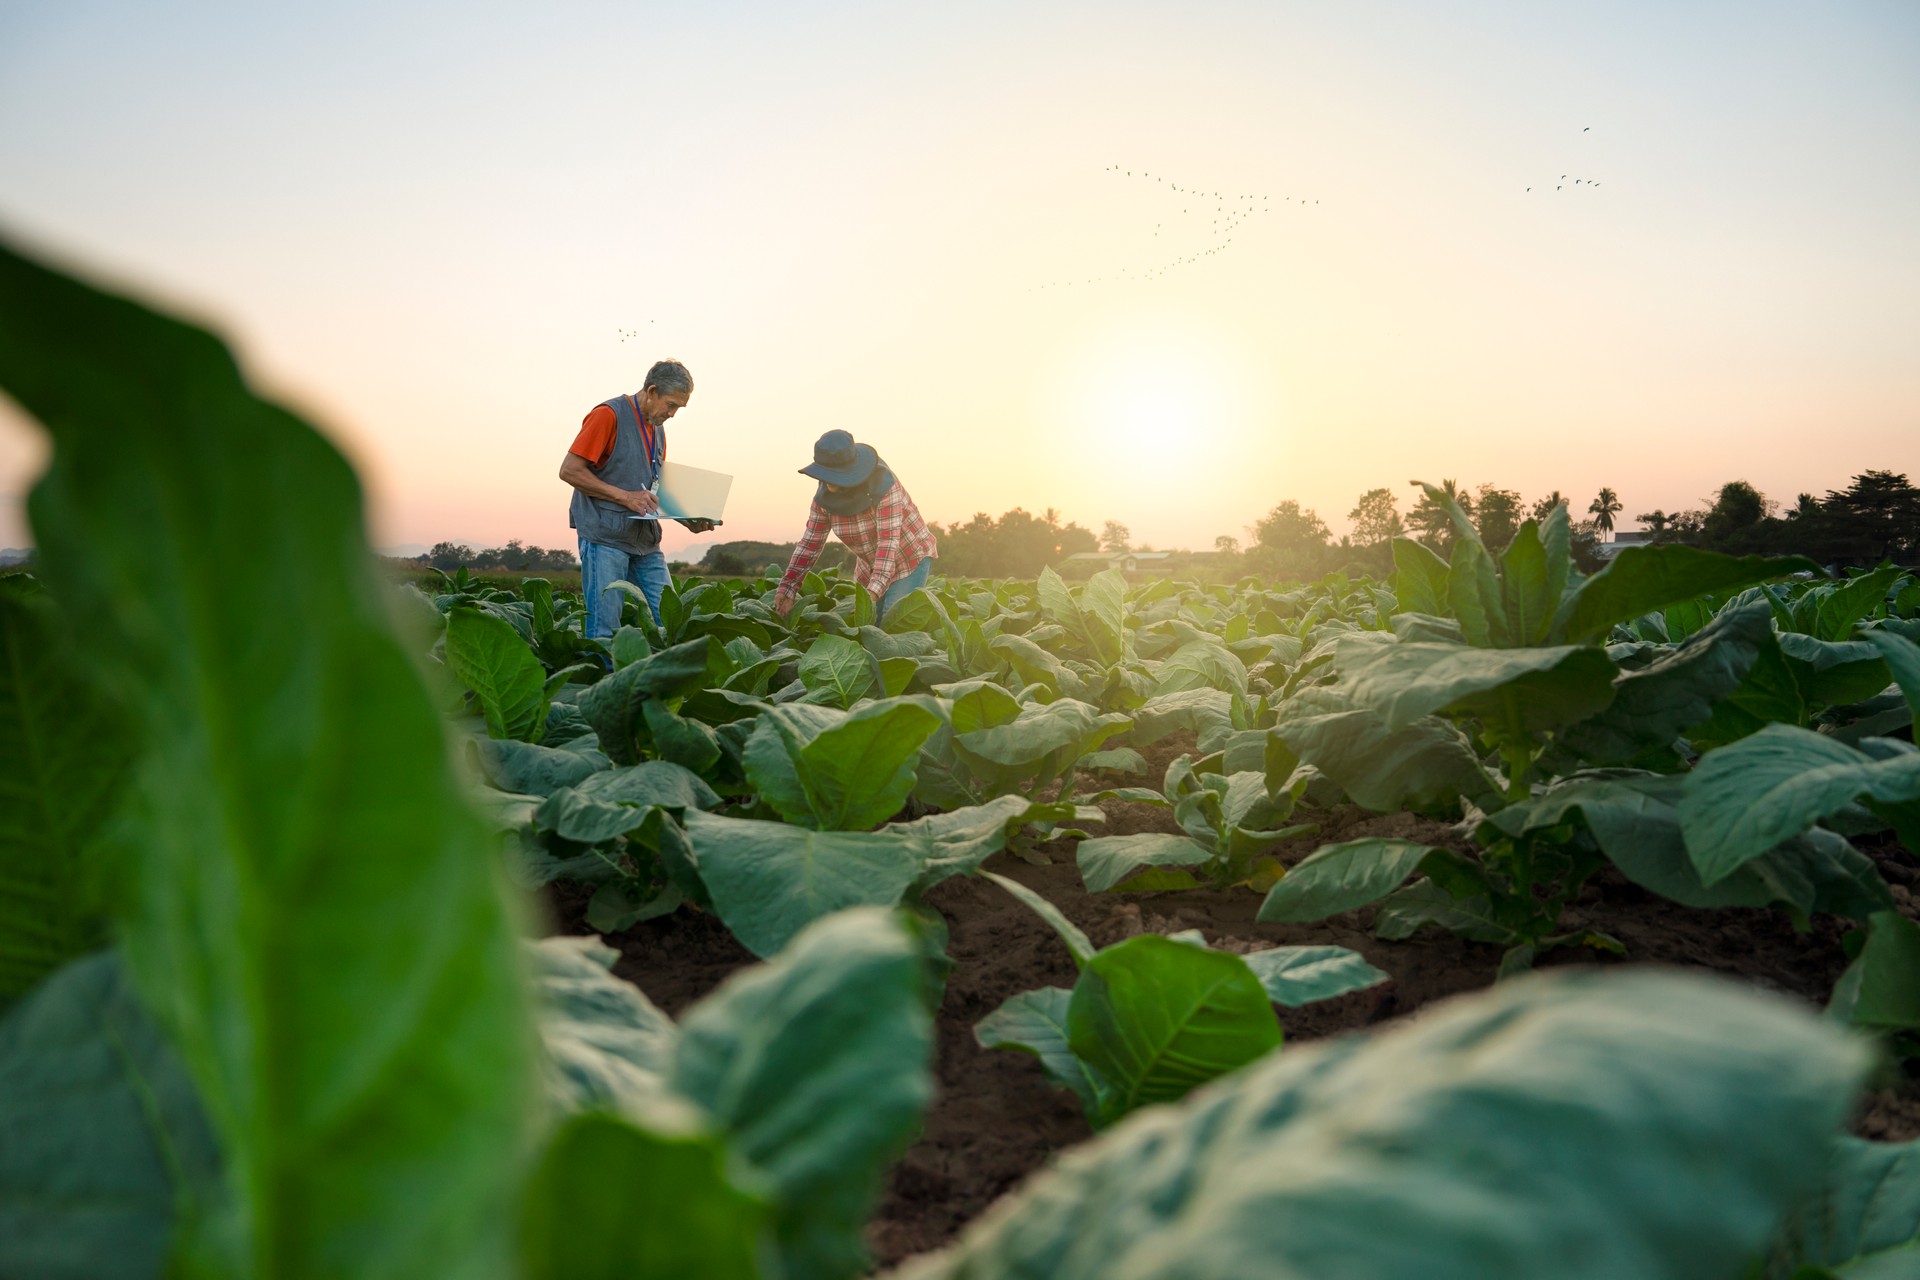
{"x":10,"y":556}
{"x":752,"y":557}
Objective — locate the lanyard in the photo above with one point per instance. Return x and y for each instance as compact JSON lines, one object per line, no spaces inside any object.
{"x":646,"y":436}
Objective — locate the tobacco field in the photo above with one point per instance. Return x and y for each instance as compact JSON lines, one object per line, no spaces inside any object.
{"x":1488,"y":920}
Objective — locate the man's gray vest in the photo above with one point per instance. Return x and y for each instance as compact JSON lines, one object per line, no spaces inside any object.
{"x":626,"y":467}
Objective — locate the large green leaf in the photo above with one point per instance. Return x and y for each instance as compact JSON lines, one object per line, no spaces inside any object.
{"x":1645,"y":579}
{"x":1635,"y":818}
{"x":526,"y":769}
{"x":960,"y":840}
{"x":490,"y":658}
{"x":1035,"y":665}
{"x":613,"y":802}
{"x":1420,"y":578}
{"x":1881,"y":988}
{"x":1097,"y":619}
{"x":615,"y":706}
{"x":919,"y":611}
{"x":1849,"y":602}
{"x":607,"y":1047}
{"x":680,"y":739}
{"x":1063,"y":730}
{"x":1556,"y":540}
{"x":978,"y":704}
{"x":884,"y":645}
{"x":1745,"y":798}
{"x":816,"y":1065}
{"x":769,"y":880}
{"x":1341,"y":877}
{"x":1581,"y":1126}
{"x":1769,"y":694}
{"x":1657,"y":703}
{"x":107,"y":1150}
{"x":1527,"y":689}
{"x":1903,"y":659}
{"x":1104,"y":602}
{"x":1865,"y":1222}
{"x":1107,"y":860}
{"x":1201,"y":664}
{"x":1428,"y":761}
{"x":812,"y":1068}
{"x":1473,"y":594}
{"x":1834,"y":673}
{"x":1293,"y":976}
{"x":64,"y":753}
{"x":1206,"y":713}
{"x":837,"y":770}
{"x":615,"y":1200}
{"x":841,"y":669}
{"x":312,"y":909}
{"x":1035,"y":1022}
{"x":1156,"y":1018}
{"x":1526,"y":588}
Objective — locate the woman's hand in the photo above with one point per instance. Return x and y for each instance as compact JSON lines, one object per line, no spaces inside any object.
{"x":783,"y":602}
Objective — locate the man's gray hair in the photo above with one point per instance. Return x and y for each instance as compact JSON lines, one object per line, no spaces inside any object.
{"x":669,"y":377}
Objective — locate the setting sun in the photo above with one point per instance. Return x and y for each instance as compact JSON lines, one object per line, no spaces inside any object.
{"x":1151,"y":404}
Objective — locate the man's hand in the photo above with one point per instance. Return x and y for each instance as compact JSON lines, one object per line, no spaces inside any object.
{"x":783,"y":602}
{"x":639,"y":501}
{"x":698,"y":524}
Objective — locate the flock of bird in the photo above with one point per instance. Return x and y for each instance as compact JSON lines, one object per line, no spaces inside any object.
{"x":625,"y":334}
{"x":1565,"y":181}
{"x":1226,"y":215}
{"x":1576,"y":182}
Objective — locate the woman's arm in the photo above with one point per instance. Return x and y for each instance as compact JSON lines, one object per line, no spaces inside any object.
{"x":805,"y":552}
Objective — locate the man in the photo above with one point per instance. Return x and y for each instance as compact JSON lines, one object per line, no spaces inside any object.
{"x":614,"y":466}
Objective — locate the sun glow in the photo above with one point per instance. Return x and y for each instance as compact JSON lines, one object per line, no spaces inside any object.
{"x":1153,"y":407}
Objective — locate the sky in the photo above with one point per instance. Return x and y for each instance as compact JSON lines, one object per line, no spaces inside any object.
{"x":985,"y":240}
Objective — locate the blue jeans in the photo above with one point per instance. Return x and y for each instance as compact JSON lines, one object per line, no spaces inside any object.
{"x":601,"y":566}
{"x":901,"y":586}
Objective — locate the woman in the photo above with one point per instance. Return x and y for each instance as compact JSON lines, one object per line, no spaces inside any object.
{"x":859,"y":500}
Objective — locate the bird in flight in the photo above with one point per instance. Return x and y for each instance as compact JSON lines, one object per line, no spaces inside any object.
{"x":1219,"y":231}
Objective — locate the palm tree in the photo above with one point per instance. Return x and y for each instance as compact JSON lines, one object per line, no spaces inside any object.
{"x":1602,"y":510}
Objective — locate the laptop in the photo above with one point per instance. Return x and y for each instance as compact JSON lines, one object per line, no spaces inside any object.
{"x":690,"y":493}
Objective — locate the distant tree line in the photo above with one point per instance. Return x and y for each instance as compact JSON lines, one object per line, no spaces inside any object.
{"x":1017,"y":545}
{"x":1875,"y":518}
{"x":514,"y":556}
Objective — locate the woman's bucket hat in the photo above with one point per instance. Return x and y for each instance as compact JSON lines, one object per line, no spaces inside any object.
{"x":838,"y":460}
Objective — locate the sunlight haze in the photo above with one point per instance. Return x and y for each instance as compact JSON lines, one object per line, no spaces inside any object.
{"x":445,"y":232}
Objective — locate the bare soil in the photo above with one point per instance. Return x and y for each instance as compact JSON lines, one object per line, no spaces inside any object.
{"x":995,"y":1119}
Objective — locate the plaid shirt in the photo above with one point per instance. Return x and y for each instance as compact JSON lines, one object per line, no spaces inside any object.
{"x":888,"y":540}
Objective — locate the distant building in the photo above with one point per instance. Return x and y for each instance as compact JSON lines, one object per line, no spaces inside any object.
{"x":1622,"y":539}
{"x":1125,"y":561}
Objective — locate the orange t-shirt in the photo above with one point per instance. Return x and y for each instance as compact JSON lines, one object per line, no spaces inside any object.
{"x":595,"y":441}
